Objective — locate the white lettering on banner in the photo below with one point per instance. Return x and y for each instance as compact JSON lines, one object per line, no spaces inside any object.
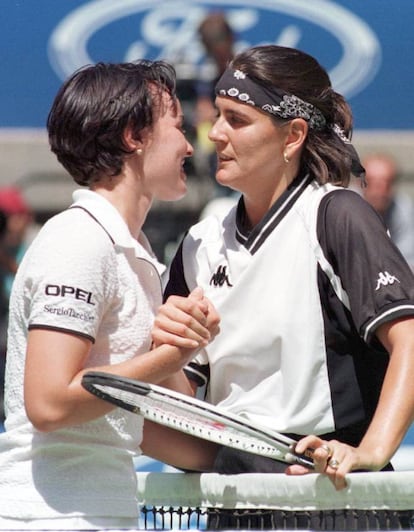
{"x":170,"y":27}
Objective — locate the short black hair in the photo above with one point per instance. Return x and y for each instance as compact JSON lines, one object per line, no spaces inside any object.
{"x":93,"y":107}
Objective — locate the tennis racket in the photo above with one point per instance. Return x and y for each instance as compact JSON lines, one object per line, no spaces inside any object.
{"x":192,"y":416}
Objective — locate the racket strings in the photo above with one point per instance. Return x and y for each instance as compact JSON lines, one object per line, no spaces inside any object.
{"x":177,"y":418}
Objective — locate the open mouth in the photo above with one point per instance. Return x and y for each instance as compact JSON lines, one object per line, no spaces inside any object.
{"x":224,"y":158}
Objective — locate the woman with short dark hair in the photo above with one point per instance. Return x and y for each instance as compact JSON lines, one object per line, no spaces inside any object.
{"x":85,"y":296}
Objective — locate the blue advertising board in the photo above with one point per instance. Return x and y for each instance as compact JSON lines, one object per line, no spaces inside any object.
{"x":365,"y":46}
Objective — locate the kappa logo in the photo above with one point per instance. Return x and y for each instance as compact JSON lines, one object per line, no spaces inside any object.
{"x":220,"y":277}
{"x":384,"y":279}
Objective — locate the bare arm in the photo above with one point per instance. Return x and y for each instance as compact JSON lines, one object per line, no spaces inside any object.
{"x":177,"y":449}
{"x":180,"y":383}
{"x":54,"y":396}
{"x":55,"y":364}
{"x":395,"y":411}
{"x":392,"y":419}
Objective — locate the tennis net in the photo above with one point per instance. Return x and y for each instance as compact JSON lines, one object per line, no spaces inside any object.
{"x":180,"y":501}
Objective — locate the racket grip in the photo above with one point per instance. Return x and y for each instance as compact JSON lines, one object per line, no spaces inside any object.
{"x":300,"y":459}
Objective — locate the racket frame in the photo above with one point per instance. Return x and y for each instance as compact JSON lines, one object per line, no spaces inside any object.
{"x":284,"y":446}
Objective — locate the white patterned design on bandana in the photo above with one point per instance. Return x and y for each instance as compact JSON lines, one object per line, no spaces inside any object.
{"x":238,"y":74}
{"x":293,"y":107}
{"x":235,"y":93}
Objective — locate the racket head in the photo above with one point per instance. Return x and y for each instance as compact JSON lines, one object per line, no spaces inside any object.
{"x":96,"y":382}
{"x":192,"y":416}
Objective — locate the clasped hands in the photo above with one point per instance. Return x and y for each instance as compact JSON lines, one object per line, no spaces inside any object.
{"x":186,"y":322}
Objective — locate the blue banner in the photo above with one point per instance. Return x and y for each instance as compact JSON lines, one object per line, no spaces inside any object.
{"x":365,"y":46}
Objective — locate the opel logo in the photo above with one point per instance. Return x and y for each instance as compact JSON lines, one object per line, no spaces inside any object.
{"x":167,"y":30}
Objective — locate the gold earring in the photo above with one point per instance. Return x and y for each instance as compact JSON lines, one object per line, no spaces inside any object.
{"x":285,"y":157}
{"x":139,"y":151}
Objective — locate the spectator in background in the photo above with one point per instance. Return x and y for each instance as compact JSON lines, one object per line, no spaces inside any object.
{"x":218,"y":40}
{"x":19,"y":219}
{"x":4,"y":261}
{"x":16,"y":218}
{"x":395,"y":206}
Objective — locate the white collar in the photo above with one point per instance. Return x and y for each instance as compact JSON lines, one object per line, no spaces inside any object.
{"x":112,"y":222}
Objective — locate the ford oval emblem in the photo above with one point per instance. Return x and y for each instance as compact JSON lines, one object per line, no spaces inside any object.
{"x":168,"y":30}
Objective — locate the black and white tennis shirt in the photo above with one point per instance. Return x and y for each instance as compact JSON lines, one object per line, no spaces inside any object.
{"x":300,"y":298}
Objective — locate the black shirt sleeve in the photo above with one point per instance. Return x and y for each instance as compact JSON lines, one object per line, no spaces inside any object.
{"x":373,"y":272}
{"x":176,"y":284}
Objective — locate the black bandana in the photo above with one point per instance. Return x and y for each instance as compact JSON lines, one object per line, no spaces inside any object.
{"x":236,"y":84}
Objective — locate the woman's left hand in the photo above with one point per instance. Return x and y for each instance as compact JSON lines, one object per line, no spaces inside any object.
{"x":332,"y":458}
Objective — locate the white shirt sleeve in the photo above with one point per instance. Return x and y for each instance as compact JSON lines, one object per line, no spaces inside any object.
{"x":70,"y":280}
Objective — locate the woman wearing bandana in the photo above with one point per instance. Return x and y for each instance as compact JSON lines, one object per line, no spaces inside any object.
{"x":316,"y":303}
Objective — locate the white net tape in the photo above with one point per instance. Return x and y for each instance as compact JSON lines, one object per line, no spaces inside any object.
{"x":371,"y":491}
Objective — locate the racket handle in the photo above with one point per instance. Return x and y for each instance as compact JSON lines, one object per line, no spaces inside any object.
{"x":299,"y":459}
